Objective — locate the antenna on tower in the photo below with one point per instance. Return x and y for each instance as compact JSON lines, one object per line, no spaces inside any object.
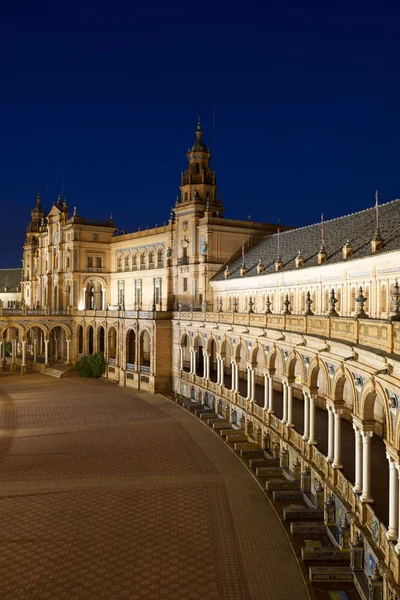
{"x":62,"y":183}
{"x":214,"y":132}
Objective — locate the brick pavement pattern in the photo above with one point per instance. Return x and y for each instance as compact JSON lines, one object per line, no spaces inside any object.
{"x":107,"y":494}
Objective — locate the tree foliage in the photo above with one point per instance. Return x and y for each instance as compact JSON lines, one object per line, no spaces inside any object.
{"x":92,"y":365}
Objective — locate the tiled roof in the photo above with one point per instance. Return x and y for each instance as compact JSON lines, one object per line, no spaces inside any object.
{"x":10,"y":279}
{"x":358,"y":228}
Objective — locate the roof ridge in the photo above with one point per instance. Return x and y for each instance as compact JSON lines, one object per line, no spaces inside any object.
{"x":358,"y":212}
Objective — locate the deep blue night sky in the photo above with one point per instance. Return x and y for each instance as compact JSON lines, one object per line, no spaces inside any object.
{"x":306,"y":98}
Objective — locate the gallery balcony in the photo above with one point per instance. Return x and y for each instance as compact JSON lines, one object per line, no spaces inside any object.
{"x":379,"y":334}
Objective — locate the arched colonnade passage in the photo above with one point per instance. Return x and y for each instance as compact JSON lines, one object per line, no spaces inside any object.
{"x":334,"y":405}
{"x":34,"y":344}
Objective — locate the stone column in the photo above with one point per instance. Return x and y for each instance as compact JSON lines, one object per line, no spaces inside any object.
{"x":34,"y":348}
{"x":265,"y":392}
{"x":306,"y":434}
{"x":252,"y":384}
{"x":248,"y":369}
{"x":68,"y":351}
{"x":359,"y":462}
{"x":393,"y":529}
{"x":232,"y":376}
{"x":23,"y":362}
{"x":271,"y":394}
{"x":311,"y":439}
{"x":207,"y":367}
{"x":366,"y":468}
{"x":13,"y":350}
{"x":236,"y":386}
{"x":398,"y":509}
{"x":56,"y":347}
{"x":331,"y":434}
{"x":284,"y":390}
{"x":337,"y":458}
{"x":46,"y":353}
{"x":218,"y":370}
{"x":222,"y":371}
{"x":1,"y":355}
{"x":289,"y":421}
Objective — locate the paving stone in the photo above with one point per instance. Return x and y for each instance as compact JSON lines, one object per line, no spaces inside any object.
{"x":111,"y":494}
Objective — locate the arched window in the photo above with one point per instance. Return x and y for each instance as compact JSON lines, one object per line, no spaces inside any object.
{"x":127,"y":261}
{"x":145,"y":352}
{"x":100,"y":339}
{"x":197,"y":169}
{"x":90,"y":339}
{"x":80,"y":339}
{"x":161,"y":258}
{"x":143,"y":260}
{"x":152,"y":255}
{"x":130,"y":350}
{"x":134,"y":261}
{"x":112,"y":345}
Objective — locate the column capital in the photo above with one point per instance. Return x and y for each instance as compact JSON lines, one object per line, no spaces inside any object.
{"x":251,"y":365}
{"x":269,"y":372}
{"x":337,"y":411}
{"x":367,"y":435}
{"x":393,"y":464}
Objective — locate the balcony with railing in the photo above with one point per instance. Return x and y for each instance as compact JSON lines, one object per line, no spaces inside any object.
{"x":380,"y":334}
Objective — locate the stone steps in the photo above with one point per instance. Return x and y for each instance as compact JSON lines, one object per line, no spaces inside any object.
{"x":268,"y":471}
{"x":279,"y":495}
{"x":307,"y":527}
{"x":238,"y":446}
{"x":54,"y":373}
{"x":205,"y":416}
{"x":252,"y":452}
{"x":281,"y":484}
{"x":302,"y":513}
{"x":203,"y":411}
{"x":323,"y":553}
{"x":228,"y":431}
{"x":194,"y":406}
{"x":234,"y":438}
{"x":330,"y":573}
{"x":220,"y":424}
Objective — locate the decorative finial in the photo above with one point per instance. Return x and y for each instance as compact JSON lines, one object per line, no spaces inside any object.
{"x":309,"y":302}
{"x":361,"y":300}
{"x":395,"y":296}
{"x":38,"y":199}
{"x":111,"y":217}
{"x":75,"y":213}
{"x":198,"y":121}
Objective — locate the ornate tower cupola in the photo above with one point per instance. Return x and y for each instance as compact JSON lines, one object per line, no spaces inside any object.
{"x":198,"y":183}
{"x":37,"y":215}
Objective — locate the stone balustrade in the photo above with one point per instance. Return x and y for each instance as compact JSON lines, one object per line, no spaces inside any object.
{"x":379,"y":334}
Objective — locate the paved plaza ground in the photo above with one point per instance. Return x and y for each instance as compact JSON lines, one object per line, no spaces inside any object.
{"x":110,"y":494}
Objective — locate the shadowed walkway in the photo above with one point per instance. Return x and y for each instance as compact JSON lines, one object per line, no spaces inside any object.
{"x":107,"y":494}
{"x":379,"y":463}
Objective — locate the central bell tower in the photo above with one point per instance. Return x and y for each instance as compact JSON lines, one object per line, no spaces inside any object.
{"x":198,"y":182}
